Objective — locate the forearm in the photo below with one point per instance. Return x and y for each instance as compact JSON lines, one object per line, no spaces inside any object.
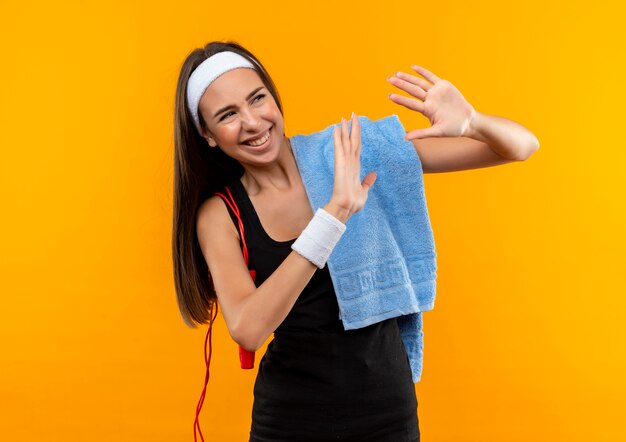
{"x":269,"y":305}
{"x":505,"y":137}
{"x":271,"y":302}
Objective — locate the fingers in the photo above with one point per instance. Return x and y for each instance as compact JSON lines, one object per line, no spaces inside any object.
{"x":413,"y":85}
{"x":348,"y":188}
{"x":369,"y":180}
{"x":410,"y":103}
{"x":426,"y":73}
{"x":355,"y":134}
{"x":340,"y":155}
{"x":429,"y":132}
{"x":345,"y":136}
{"x":348,"y":143}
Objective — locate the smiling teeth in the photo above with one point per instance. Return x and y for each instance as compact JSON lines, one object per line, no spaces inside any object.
{"x":259,"y":141}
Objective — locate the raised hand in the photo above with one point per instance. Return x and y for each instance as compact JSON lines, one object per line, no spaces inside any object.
{"x":349,"y":193}
{"x":441,"y":102}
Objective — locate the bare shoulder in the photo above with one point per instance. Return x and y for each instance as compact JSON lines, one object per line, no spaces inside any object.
{"x":219,"y":242}
{"x":213,"y":221}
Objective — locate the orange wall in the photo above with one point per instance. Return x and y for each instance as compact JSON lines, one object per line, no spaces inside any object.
{"x":525,"y":342}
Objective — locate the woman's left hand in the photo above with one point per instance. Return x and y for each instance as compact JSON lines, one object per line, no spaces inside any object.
{"x":442,"y":103}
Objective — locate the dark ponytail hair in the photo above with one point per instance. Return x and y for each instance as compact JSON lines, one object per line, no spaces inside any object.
{"x":199,"y":171}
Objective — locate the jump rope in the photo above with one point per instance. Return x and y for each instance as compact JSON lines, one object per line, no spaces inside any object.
{"x":246,"y":358}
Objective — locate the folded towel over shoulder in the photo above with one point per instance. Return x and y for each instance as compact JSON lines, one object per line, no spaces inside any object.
{"x":384,"y":265}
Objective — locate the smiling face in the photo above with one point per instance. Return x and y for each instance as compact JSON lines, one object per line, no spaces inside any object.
{"x":237,"y":107}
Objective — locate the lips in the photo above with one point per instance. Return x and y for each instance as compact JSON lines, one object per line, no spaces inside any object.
{"x":261,"y":147}
{"x":258,"y":137}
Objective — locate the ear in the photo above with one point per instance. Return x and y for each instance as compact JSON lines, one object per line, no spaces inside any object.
{"x":211,"y":142}
{"x":208,"y":138}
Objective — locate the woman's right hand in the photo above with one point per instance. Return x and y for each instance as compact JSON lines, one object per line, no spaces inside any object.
{"x":349,"y":193}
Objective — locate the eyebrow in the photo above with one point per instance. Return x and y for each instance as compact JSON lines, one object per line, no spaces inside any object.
{"x":225,"y":108}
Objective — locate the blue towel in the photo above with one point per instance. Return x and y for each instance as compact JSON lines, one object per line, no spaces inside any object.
{"x":384,"y":265}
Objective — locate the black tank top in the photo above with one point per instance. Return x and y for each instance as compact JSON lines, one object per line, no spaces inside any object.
{"x":352,"y":381}
{"x":316,"y":309}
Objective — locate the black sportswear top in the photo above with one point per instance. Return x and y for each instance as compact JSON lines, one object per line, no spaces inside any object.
{"x":317,"y":381}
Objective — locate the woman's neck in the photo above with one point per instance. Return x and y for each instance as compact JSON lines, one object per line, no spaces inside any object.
{"x":280,"y":176}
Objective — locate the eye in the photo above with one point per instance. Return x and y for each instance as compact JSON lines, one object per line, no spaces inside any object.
{"x":228,"y":113}
{"x":225,"y":115}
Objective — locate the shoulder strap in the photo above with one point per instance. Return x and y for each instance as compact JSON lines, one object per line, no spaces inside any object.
{"x":230,"y":201}
{"x":245,"y":357}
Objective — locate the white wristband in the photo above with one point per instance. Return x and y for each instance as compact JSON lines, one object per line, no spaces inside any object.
{"x":319,"y":238}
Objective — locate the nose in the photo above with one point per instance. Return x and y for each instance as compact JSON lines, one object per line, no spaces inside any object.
{"x":250,"y":120}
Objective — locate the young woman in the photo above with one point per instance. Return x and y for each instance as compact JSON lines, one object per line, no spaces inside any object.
{"x":316,"y":381}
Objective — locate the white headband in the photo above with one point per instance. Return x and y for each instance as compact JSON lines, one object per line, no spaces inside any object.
{"x":206,"y":73}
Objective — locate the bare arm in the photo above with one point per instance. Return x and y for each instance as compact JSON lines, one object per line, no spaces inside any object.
{"x":489,"y":141}
{"x":505,"y":137}
{"x":460,"y":137}
{"x":251,"y":313}
{"x":454,"y":154}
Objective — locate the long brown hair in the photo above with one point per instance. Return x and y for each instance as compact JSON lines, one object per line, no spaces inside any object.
{"x":199,"y":171}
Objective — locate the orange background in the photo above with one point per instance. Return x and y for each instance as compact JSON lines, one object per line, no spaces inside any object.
{"x":526,"y":341}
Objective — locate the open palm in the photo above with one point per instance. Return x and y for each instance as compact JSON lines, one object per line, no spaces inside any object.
{"x":441,"y":102}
